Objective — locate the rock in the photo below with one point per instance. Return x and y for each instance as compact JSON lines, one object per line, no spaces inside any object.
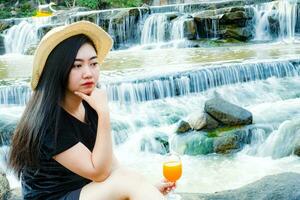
{"x":30,"y":50}
{"x":7,"y":128}
{"x":172,"y":15}
{"x":156,"y":143}
{"x":189,"y":29}
{"x":241,"y":34}
{"x":2,"y":46}
{"x":227,"y":113}
{"x":211,"y":123}
{"x":274,"y":26}
{"x":223,"y":140}
{"x":297,"y":151}
{"x":183,"y":127}
{"x":197,"y":121}
{"x":229,"y":142}
{"x":193,"y":143}
{"x":45,"y":29}
{"x":285,"y":186}
{"x":4,"y":187}
{"x":5,"y":24}
{"x":297,"y":148}
{"x":15,"y":194}
{"x":237,"y":16}
{"x":121,"y":16}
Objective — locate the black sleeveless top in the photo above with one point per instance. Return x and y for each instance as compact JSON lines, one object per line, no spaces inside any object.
{"x":52,"y":180}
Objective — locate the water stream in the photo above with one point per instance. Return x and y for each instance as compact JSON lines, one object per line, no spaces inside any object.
{"x":152,"y":89}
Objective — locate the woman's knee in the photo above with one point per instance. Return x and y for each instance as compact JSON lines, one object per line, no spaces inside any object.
{"x":112,"y":188}
{"x":121,"y":184}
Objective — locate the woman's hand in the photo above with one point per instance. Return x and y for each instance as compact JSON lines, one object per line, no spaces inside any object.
{"x":97,"y":100}
{"x":165,"y":186}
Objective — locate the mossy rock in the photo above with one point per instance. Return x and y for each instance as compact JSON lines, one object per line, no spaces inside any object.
{"x":183,"y":127}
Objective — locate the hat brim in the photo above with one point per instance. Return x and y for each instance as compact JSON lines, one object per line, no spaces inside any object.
{"x":102,"y":41}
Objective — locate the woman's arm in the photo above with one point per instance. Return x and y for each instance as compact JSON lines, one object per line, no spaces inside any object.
{"x":95,"y":165}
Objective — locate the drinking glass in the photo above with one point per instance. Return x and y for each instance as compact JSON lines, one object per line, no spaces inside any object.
{"x":172,"y":171}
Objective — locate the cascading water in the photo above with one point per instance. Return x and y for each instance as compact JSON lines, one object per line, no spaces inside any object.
{"x":279,"y":143}
{"x":276,"y":20}
{"x":155,"y":29}
{"x":155,"y":25}
{"x":176,"y":84}
{"x":22,"y":36}
{"x":151,"y":91}
{"x":177,"y":32}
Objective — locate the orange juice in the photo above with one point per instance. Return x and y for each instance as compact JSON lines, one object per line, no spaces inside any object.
{"x":172,"y":170}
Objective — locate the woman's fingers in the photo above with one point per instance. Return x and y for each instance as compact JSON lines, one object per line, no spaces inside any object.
{"x":80,"y":94}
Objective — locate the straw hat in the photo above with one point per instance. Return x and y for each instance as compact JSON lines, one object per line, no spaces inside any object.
{"x":102,"y":41}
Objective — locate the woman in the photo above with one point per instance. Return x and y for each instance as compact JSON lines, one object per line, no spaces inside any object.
{"x":62,"y":146}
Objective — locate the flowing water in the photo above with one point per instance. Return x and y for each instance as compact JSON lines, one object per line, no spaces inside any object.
{"x":151,"y":90}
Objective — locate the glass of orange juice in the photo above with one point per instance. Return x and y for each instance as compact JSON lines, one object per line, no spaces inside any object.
{"x":172,"y":171}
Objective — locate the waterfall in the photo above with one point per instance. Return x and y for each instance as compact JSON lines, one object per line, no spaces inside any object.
{"x":281,"y":142}
{"x":276,"y":20}
{"x":124,"y":32}
{"x":177,"y":84}
{"x":14,"y":94}
{"x":155,"y":29}
{"x":287,"y":18}
{"x":22,"y":36}
{"x":196,"y":81}
{"x":177,"y":32}
{"x":215,"y":27}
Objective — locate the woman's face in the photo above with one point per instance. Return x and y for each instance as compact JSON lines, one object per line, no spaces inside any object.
{"x":85,"y":71}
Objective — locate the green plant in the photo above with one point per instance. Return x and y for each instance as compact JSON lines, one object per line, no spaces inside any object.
{"x":93,"y":4}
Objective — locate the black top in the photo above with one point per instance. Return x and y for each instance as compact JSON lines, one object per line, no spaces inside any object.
{"x":52,"y":180}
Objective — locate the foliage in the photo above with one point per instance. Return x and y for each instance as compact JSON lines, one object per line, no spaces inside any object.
{"x":122,"y":3}
{"x":93,"y":4}
{"x":10,"y":9}
{"x":97,"y":4}
{"x":25,"y":8}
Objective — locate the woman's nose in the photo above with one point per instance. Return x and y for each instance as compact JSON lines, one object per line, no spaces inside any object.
{"x":87,"y":71}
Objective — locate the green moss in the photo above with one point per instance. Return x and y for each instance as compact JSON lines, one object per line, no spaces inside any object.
{"x":217,"y":132}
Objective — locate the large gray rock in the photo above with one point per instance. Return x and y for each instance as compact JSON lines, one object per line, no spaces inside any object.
{"x":227,"y":113}
{"x":285,"y":186}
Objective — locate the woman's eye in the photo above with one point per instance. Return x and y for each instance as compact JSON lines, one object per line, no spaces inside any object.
{"x":76,"y":66}
{"x":94,"y":64}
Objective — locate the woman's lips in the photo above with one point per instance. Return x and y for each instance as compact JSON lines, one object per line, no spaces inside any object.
{"x":88,"y":84}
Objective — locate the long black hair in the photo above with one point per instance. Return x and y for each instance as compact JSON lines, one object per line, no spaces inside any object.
{"x":42,"y":110}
